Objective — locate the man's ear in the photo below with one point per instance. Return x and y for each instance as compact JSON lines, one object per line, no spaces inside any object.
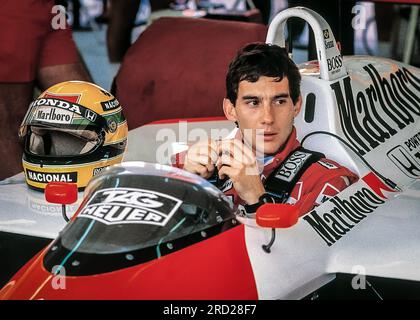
{"x":229,"y":110}
{"x":297,"y":106}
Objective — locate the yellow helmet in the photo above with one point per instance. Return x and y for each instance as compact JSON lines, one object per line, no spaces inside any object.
{"x":70,"y":133}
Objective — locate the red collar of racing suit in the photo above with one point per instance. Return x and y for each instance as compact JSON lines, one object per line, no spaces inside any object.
{"x":291,"y":144}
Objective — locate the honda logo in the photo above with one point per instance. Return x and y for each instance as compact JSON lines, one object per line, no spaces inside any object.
{"x":404,"y":161}
{"x":90,"y":115}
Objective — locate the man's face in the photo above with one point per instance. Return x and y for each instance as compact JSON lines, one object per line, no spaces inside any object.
{"x":264,"y":111}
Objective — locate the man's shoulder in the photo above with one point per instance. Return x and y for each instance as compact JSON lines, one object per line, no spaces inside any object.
{"x":327,"y":164}
{"x":326,"y":169}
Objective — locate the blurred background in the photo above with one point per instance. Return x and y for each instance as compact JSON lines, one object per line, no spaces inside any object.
{"x":377,"y":28}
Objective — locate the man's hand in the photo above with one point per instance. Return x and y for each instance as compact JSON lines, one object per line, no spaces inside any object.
{"x":238,"y":162}
{"x":201,"y":158}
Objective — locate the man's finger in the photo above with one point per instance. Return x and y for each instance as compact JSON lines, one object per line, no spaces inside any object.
{"x":236,"y":150}
{"x":213,"y":151}
{"x":201,"y":171}
{"x":207,"y":153}
{"x":210,"y":167}
{"x":245,"y":149}
{"x":200,"y":159}
{"x":227,"y":171}
{"x":227,"y":159}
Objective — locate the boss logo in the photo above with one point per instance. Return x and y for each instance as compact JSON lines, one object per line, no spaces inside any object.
{"x":131,"y":206}
{"x":334,"y":63}
{"x":289,"y":169}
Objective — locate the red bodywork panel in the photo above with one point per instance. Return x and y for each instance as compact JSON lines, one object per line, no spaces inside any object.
{"x":217,"y":268}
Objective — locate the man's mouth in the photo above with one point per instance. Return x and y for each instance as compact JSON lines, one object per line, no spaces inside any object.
{"x":269,"y":136}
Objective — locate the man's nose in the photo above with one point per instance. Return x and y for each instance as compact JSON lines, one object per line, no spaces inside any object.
{"x":268,"y":117}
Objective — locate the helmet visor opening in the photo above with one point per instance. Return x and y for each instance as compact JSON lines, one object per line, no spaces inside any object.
{"x":59,"y":142}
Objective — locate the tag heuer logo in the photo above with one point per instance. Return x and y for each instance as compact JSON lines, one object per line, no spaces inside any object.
{"x":130,"y":206}
{"x":326,"y":33}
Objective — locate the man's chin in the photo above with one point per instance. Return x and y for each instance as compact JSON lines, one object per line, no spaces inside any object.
{"x":269,"y":149}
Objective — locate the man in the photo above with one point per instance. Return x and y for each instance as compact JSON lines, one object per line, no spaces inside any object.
{"x":263,"y":98}
{"x":33,"y":53}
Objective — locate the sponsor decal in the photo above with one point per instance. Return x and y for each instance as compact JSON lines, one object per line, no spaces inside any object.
{"x":73,"y":97}
{"x":58,"y":104}
{"x":288,"y":170}
{"x":43,"y":177}
{"x":98,"y":170}
{"x":296,"y":193}
{"x":112,"y":125}
{"x":335,"y":64}
{"x":227,"y":185}
{"x":130,"y":206}
{"x":39,"y":206}
{"x":373,"y":115}
{"x":53,"y":115}
{"x":413,"y":144}
{"x":327,"y":192}
{"x":90,"y":115}
{"x":329,"y":44}
{"x":327,"y":165}
{"x":404,"y":161}
{"x":65,"y":105}
{"x":346,"y":212}
{"x":110,"y":105}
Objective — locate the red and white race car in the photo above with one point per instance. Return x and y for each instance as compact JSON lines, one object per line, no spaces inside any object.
{"x":150,"y":231}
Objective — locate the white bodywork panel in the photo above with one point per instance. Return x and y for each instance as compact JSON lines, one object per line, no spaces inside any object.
{"x":384,"y":244}
{"x":376,"y":108}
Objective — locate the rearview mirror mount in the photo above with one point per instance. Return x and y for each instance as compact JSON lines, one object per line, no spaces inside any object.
{"x":274,"y":216}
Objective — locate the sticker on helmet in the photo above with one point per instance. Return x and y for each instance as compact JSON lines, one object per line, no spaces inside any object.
{"x":130,"y":206}
{"x":112,"y":125}
{"x":44,"y":177}
{"x":53,"y":115}
{"x":110,"y":105}
{"x":98,"y":170}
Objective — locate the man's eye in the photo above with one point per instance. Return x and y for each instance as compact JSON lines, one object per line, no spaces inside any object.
{"x":253,"y":103}
{"x":280,"y":101}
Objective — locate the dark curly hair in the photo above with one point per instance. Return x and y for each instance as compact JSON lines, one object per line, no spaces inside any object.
{"x":261,"y":59}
